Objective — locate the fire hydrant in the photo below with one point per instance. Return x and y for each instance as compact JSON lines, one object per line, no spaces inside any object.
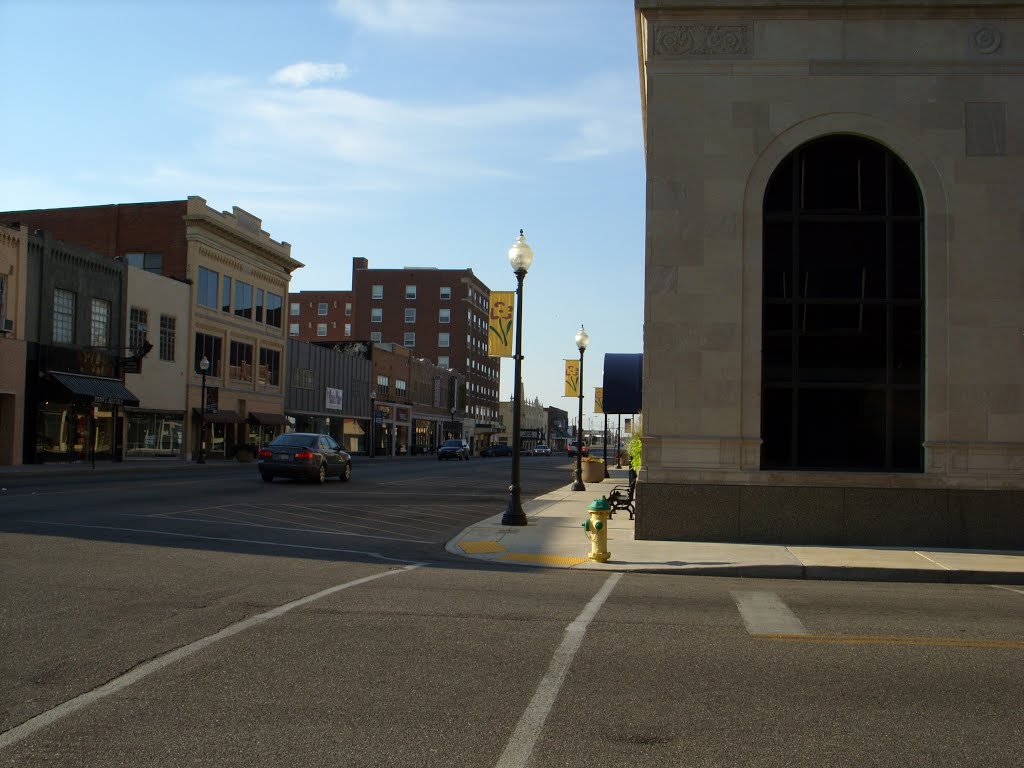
{"x":597,"y":530}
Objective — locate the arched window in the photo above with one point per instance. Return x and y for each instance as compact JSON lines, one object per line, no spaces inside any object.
{"x":843,"y":311}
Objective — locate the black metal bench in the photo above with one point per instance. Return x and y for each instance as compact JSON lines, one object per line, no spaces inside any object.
{"x":621,"y":496}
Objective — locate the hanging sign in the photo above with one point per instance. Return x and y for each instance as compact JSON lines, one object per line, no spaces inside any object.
{"x":572,"y":378}
{"x":499,"y":329}
{"x":598,"y":399}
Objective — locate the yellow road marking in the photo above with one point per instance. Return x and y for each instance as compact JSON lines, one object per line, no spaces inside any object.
{"x":944,"y":642}
{"x":524,"y":557}
{"x":481,"y":547}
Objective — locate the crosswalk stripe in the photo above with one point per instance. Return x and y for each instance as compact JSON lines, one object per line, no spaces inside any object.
{"x":764,"y":613}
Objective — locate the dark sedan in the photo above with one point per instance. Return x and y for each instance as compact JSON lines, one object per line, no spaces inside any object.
{"x":304,"y":455}
{"x":498,"y":449}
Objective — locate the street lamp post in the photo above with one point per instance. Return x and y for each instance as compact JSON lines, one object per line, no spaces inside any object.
{"x":520,"y":257}
{"x":582,"y":339}
{"x":453,"y":422}
{"x":204,"y":366}
{"x":373,"y":420}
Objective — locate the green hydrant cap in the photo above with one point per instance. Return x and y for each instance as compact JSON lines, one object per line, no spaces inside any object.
{"x":600,"y":505}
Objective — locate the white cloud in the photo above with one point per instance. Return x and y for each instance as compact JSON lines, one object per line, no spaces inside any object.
{"x":303,"y":73}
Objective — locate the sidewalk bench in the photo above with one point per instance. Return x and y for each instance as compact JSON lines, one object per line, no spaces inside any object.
{"x":621,"y":496}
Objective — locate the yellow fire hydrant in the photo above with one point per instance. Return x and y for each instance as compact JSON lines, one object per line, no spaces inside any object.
{"x":597,"y":530}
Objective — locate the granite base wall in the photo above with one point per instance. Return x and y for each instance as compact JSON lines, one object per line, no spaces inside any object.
{"x":903,"y":517}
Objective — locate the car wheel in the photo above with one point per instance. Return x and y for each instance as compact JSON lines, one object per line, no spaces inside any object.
{"x":346,"y":472}
{"x":321,"y":476}
{"x":267,"y":477}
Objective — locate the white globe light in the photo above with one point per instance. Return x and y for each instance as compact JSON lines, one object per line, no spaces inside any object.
{"x":582,"y":338}
{"x":520,"y":255}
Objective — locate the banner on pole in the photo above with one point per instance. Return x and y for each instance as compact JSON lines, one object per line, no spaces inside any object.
{"x":499,"y":332}
{"x":598,"y":399}
{"x":572,"y":378}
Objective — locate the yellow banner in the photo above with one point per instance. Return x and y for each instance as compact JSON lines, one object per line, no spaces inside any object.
{"x":499,"y":333}
{"x":598,"y":399}
{"x":572,"y":378}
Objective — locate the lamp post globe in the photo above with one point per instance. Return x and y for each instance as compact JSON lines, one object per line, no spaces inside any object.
{"x":204,"y":366}
{"x":582,"y":339}
{"x":520,"y":258}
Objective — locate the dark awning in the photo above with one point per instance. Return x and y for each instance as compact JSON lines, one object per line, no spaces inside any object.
{"x":268,"y":419}
{"x":95,"y":388}
{"x":220,"y":417}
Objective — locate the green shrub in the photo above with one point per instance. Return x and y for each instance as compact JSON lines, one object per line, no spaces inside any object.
{"x":635,"y":451}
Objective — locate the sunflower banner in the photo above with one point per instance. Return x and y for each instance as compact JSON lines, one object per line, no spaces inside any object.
{"x":572,"y":378}
{"x":499,"y":331}
{"x":598,"y":399}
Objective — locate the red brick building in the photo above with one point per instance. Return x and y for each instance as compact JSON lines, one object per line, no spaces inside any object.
{"x":440,"y":315}
{"x":321,"y":316}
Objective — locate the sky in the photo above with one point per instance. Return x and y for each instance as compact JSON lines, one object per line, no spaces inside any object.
{"x":414,"y":133}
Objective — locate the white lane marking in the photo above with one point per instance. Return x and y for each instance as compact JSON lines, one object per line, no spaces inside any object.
{"x":764,"y":613}
{"x":144,"y":670}
{"x":1008,"y":589}
{"x":932,"y":561}
{"x":294,"y":529}
{"x":220,"y":538}
{"x":524,"y":738}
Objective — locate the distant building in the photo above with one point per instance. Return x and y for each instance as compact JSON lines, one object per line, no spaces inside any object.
{"x":321,"y":316}
{"x":440,"y":315}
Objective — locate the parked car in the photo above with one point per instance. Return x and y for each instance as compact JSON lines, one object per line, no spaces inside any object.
{"x":498,"y":449}
{"x":453,"y":449}
{"x":570,"y":449}
{"x":304,"y":455}
{"x":541,"y":450}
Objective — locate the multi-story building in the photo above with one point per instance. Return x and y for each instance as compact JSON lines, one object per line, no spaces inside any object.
{"x":75,"y":354}
{"x":835,"y":282}
{"x":239,"y":278}
{"x":416,"y":403}
{"x":13,"y":280}
{"x":440,"y":315}
{"x":320,"y":316}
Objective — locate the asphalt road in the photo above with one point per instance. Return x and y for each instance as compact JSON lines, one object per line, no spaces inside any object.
{"x":208,"y":619}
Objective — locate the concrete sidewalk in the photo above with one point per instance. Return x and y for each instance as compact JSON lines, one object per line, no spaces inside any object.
{"x":555,"y":538}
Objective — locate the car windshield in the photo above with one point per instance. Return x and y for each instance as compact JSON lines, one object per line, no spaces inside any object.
{"x":452,"y":444}
{"x":294,"y":441}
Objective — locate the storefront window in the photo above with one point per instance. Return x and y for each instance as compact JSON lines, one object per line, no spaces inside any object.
{"x":154,"y":434}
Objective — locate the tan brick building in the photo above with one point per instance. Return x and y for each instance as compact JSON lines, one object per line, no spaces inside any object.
{"x":834,"y":278}
{"x":13,"y":283}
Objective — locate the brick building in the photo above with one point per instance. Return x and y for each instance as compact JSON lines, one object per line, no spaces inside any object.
{"x":239,"y":281}
{"x":320,"y":316}
{"x":440,"y":315}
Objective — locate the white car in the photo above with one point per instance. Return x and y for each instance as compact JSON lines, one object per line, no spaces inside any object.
{"x":541,"y":450}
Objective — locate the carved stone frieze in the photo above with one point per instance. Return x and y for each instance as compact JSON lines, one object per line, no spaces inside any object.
{"x":692,"y":39}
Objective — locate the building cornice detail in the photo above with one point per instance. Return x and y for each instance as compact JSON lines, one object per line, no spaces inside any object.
{"x":675,"y":38}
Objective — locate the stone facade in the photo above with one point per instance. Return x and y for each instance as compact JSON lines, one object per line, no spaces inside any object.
{"x":729,"y":91}
{"x":13,"y":313}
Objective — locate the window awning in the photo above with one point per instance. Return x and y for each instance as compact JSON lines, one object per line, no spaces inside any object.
{"x":95,"y":388}
{"x":220,"y":417}
{"x":268,"y":419}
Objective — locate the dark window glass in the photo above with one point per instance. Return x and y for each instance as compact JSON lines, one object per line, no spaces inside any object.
{"x":206,"y":292}
{"x":226,"y":295}
{"x":210,"y":346}
{"x":259,"y":305}
{"x":906,"y":260}
{"x":844,"y":293}
{"x":243,"y":300}
{"x":273,"y":310}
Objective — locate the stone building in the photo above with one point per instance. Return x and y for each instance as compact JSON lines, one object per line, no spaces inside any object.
{"x":834,"y":272}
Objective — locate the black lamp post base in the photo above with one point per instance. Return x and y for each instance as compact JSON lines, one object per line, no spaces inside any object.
{"x":578,"y":485}
{"x":514,"y":514}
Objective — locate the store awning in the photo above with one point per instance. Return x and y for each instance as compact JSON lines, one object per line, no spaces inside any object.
{"x":220,"y":417}
{"x":268,"y":419}
{"x":95,"y":388}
